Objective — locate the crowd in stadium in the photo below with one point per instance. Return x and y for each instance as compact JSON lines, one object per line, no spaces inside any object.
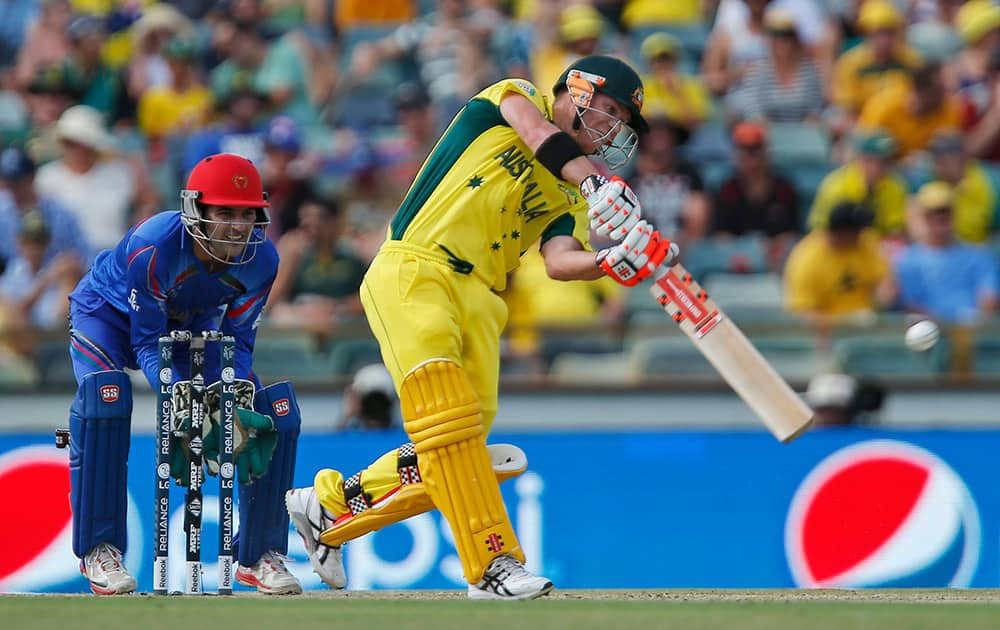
{"x":836,"y":159}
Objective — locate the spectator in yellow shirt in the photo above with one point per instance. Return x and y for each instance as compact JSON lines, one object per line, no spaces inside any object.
{"x":973,"y":199}
{"x":185,"y":104}
{"x":913,"y":111}
{"x":837,"y":274}
{"x":669,"y":91}
{"x":536,"y":302}
{"x":576,"y":35}
{"x":876,"y":64}
{"x":868,"y":179}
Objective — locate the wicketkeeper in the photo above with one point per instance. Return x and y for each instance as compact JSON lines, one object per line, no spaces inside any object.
{"x":207,"y":267}
{"x":510,"y":170}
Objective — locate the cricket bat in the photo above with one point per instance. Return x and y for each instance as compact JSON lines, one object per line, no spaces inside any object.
{"x":731,"y":353}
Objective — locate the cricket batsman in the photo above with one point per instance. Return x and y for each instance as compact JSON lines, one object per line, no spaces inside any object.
{"x":511,"y":169}
{"x":207,"y":267}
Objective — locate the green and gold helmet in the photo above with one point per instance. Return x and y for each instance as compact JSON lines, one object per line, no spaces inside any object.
{"x":611,"y":76}
{"x":616,"y":79}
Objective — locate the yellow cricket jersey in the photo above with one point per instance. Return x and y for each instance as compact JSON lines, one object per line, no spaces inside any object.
{"x":819,"y":278}
{"x":480,"y":199}
{"x":857,"y":77}
{"x":974,"y":205}
{"x":890,"y":110}
{"x":887,"y":198}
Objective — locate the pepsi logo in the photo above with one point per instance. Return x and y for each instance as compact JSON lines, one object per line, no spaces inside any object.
{"x":282,"y":407}
{"x":36,"y":477}
{"x":882,"y":513}
{"x":109,"y":393}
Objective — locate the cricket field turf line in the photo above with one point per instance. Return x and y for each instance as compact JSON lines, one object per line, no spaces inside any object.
{"x":570,"y":610}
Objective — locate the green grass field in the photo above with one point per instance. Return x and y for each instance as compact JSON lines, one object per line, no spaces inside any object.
{"x":571,"y":610}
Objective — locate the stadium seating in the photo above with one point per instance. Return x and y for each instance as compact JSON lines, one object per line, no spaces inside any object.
{"x":347,"y":356}
{"x":798,"y":144}
{"x":289,"y":354}
{"x":887,"y":356}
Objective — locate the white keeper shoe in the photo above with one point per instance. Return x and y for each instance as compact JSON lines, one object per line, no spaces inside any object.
{"x":507,"y":579}
{"x":103,"y":567}
{"x":307,"y":515}
{"x":269,"y":575}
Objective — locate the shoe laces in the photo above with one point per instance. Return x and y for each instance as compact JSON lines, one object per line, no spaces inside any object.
{"x":277,"y":561}
{"x":506,"y":566}
{"x":109,"y":559}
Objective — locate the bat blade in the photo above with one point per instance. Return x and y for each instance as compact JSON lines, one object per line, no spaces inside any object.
{"x":725,"y":346}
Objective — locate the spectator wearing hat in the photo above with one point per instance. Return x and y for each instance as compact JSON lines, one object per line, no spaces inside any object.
{"x":286,"y":170}
{"x":670,"y":91}
{"x":105,"y":193}
{"x":978,"y":24}
{"x":915,"y":110}
{"x":45,"y":42}
{"x":830,"y":396}
{"x":837,"y":274}
{"x":574,"y":34}
{"x":34,"y":289}
{"x":673,"y":193}
{"x":318,"y":282}
{"x":17,"y":180}
{"x":877,"y":64}
{"x":49,"y":94}
{"x":981,"y":114}
{"x":839,"y":400}
{"x":756,"y":200}
{"x":147,"y":67}
{"x":870,"y":179}
{"x":785,"y":85}
{"x":939,"y":276}
{"x":182,"y":105}
{"x":370,"y":402}
{"x":974,"y":199}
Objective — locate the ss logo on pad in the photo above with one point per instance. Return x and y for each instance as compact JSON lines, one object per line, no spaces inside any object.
{"x":109,"y":393}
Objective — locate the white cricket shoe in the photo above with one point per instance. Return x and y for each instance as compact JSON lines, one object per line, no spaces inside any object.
{"x":103,"y":567}
{"x":307,"y":515}
{"x":506,"y":578}
{"x":269,"y":575}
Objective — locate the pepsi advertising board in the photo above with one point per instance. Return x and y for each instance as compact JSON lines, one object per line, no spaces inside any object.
{"x":837,"y":508}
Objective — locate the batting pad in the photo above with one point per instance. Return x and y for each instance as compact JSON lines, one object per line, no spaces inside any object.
{"x":408,"y":500}
{"x":99,"y":423}
{"x":443,"y":418}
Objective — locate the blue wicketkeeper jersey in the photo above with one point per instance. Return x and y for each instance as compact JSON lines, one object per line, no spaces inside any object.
{"x":153,"y":277}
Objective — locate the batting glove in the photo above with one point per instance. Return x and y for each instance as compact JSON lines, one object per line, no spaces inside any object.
{"x":614,"y":209}
{"x":638,"y":256}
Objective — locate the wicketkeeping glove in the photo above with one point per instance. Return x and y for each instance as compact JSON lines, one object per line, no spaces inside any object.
{"x":638,"y":256}
{"x":180,"y":426}
{"x":614,"y":208}
{"x":254,"y":436}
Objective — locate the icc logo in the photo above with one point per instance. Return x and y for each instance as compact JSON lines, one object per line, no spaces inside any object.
{"x":882,"y":513}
